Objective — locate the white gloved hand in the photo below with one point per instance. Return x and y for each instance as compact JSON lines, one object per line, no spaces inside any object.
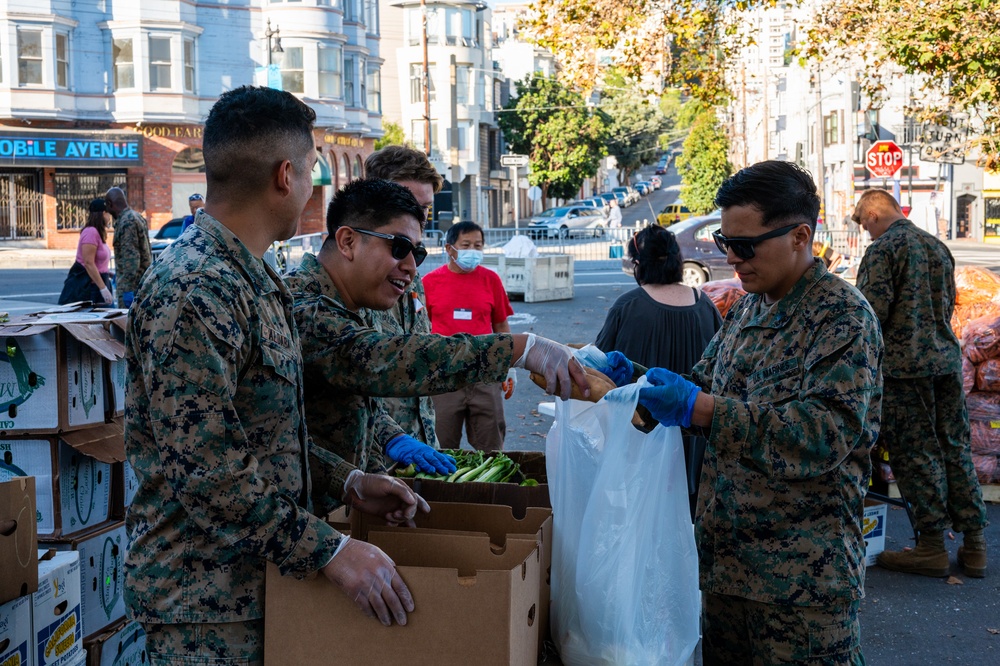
{"x":106,"y":294}
{"x":556,"y":363}
{"x":369,"y":578}
{"x":384,"y":496}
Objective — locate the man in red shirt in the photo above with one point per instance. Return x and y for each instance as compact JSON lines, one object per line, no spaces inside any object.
{"x":464,"y":297}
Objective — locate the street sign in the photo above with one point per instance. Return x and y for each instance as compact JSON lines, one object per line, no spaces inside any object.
{"x":513,"y":160}
{"x":946,"y":142}
{"x":884,"y":159}
{"x":535,"y":193}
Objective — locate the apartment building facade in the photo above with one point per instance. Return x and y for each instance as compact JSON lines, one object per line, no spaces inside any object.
{"x":100,"y":94}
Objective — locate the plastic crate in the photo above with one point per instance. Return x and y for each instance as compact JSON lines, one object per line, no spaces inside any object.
{"x":545,"y":278}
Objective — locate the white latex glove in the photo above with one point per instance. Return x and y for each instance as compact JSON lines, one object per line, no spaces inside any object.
{"x":369,"y":578}
{"x":384,"y":496}
{"x":106,"y":295}
{"x":556,"y":363}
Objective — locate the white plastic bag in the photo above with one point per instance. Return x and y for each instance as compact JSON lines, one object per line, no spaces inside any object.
{"x":624,"y":564}
{"x":520,"y":247}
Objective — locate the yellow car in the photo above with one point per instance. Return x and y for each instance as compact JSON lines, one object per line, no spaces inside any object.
{"x":674,"y":212}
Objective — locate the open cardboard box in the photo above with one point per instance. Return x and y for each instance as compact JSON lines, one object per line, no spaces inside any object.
{"x":102,"y":557}
{"x":475,"y":604}
{"x":18,"y":539}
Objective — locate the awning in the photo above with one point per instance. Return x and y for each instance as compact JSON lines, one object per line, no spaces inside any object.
{"x":321,"y":172}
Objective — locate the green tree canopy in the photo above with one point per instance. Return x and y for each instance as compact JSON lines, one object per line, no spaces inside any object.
{"x":564,"y":139}
{"x":393,"y":136}
{"x":703,"y":165}
{"x":634,"y":127}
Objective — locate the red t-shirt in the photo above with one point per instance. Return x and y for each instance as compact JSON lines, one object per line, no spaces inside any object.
{"x":465,"y":302}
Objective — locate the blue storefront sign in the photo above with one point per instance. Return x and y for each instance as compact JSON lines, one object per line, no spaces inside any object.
{"x":70,"y":149}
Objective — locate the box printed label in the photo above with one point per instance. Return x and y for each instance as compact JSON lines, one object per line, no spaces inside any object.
{"x":15,"y":632}
{"x":28,"y":381}
{"x":32,"y":457}
{"x":86,"y":384}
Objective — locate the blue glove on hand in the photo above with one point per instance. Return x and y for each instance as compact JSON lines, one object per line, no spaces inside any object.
{"x":670,"y":399}
{"x":619,"y":369}
{"x":409,"y":451}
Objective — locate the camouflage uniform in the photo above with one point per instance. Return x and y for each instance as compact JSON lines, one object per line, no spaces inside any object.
{"x":414,"y":415}
{"x":908,"y":277}
{"x":350,"y":361}
{"x":132,"y":252}
{"x":797,"y":389}
{"x":215,"y":433}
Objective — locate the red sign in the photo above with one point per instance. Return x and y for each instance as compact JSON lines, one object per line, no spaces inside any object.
{"x":884,"y":159}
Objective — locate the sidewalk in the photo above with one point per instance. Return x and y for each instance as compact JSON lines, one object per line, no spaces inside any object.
{"x":36,"y":258}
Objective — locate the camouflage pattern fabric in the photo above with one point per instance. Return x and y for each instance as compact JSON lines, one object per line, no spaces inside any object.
{"x":798,"y":391}
{"x":908,"y":276}
{"x":739,"y":631}
{"x":414,"y":415}
{"x":350,"y":363}
{"x":215,"y":432}
{"x":132,"y":252}
{"x":206,"y":644}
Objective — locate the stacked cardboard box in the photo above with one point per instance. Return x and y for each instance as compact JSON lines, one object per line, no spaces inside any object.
{"x":61,"y":393}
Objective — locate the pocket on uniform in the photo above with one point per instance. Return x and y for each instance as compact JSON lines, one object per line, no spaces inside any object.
{"x":776,"y":383}
{"x":284,"y":364}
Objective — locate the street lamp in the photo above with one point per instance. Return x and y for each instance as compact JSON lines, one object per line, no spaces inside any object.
{"x":276,"y":47}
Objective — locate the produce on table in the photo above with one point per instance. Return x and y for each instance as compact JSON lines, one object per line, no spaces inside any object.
{"x":474,"y":466}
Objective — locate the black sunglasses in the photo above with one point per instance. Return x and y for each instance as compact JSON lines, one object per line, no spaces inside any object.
{"x":401,"y":246}
{"x":743,"y":247}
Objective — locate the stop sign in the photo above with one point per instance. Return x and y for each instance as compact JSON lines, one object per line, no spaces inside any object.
{"x":884,"y":159}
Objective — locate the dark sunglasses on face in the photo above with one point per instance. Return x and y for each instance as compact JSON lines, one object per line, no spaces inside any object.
{"x":743,"y":247}
{"x":401,"y":246}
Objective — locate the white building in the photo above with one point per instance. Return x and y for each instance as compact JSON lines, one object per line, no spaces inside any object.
{"x":462,"y":90}
{"x":815,"y":115}
{"x":136,"y":79}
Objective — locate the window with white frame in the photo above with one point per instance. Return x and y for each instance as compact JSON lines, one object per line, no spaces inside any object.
{"x":482,"y":81}
{"x":292,"y":71}
{"x":417,"y":82}
{"x":349,"y":68}
{"x":418,"y":134}
{"x":464,"y":130}
{"x":374,"y":90}
{"x":189,"y":65}
{"x":121,"y":56}
{"x":62,"y":60}
{"x":331,"y":60}
{"x":462,"y":73}
{"x":362,"y":99}
{"x":29,"y":57}
{"x":459,"y":27}
{"x":159,"y":63}
{"x":371,"y":17}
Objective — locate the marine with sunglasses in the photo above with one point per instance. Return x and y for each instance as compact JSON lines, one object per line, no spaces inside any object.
{"x":788,"y":394}
{"x":366,"y":263}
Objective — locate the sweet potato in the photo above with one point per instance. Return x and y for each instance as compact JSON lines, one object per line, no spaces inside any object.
{"x":599,"y":385}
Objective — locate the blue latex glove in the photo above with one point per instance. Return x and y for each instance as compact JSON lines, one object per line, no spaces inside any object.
{"x":127,"y":298}
{"x":409,"y":451}
{"x":670,"y":399}
{"x":619,"y":369}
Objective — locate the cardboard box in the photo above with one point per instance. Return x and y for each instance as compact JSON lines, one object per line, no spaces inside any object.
{"x":124,"y":485}
{"x":873,"y":529}
{"x":16,"y":639}
{"x":18,"y":538}
{"x":124,"y":644}
{"x":57,"y":629}
{"x":102,"y":556}
{"x":532,"y":464}
{"x":52,"y":374}
{"x":115,"y":370}
{"x":473,"y":606}
{"x":72,"y":475}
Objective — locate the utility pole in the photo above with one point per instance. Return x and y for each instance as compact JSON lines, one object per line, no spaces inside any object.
{"x":820,"y":153}
{"x":456,"y":186}
{"x":426,"y":84}
{"x":743,"y":109}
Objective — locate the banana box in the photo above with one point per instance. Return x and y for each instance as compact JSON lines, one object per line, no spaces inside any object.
{"x":56,"y":613}
{"x":16,"y":640}
{"x":102,"y":554}
{"x":124,"y":644}
{"x":114,"y":371}
{"x":873,"y":528}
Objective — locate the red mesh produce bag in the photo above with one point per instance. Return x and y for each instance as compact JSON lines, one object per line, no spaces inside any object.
{"x":983,"y":406}
{"x":975,"y":284}
{"x":966,"y":313}
{"x":981,"y":338}
{"x":968,"y":375}
{"x":987,"y":375}
{"x":985,"y":437}
{"x":986,"y":468}
{"x":724,"y":293}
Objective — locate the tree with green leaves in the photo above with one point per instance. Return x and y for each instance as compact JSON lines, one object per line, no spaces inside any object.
{"x":393,"y":136}
{"x":704,"y":163}
{"x":564,"y":139}
{"x":634,"y":127}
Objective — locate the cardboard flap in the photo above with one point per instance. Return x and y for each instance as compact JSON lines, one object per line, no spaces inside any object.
{"x":437,"y":549}
{"x":496,"y":520}
{"x":98,"y":338}
{"x":105,"y":442}
{"x":120,"y":322}
{"x":24,"y":330}
{"x":18,"y":538}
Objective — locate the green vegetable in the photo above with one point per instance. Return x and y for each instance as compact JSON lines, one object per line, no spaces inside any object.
{"x":406,"y":472}
{"x":529,"y":483}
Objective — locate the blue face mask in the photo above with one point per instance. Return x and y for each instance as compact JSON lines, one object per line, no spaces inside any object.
{"x":469,"y":259}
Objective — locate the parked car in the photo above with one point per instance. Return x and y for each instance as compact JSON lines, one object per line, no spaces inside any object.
{"x":661,"y":168}
{"x":599,"y":203}
{"x":703,"y":261}
{"x":160,"y":238}
{"x":673,"y":213}
{"x":656,"y":181}
{"x":631,"y":196}
{"x":566,"y":221}
{"x":644,"y":187}
{"x":615,"y":196}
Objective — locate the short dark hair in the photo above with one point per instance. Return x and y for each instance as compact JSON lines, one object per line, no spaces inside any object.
{"x":783,"y":192}
{"x":459,"y":228}
{"x":656,"y":256}
{"x":249,"y":131}
{"x":370,"y":203}
{"x":399,"y":163}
